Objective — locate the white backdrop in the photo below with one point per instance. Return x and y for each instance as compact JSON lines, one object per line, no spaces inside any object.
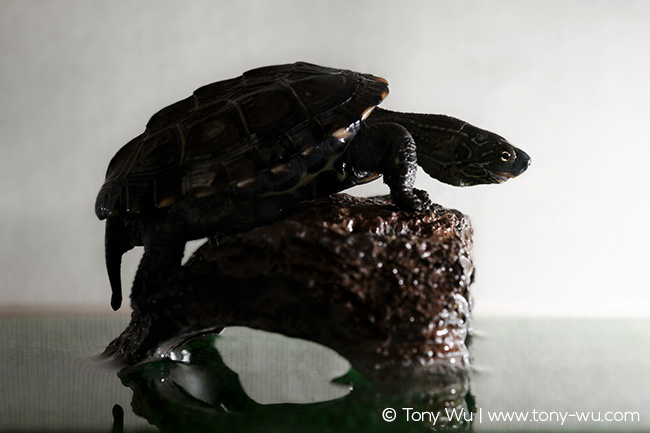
{"x":566,"y":80}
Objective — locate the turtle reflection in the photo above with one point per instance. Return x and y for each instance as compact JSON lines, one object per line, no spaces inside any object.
{"x":199,"y":392}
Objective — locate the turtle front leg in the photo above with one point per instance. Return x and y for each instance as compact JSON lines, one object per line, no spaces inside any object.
{"x":388,"y":148}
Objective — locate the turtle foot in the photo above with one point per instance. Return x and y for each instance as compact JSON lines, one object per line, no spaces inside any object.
{"x":413,"y":200}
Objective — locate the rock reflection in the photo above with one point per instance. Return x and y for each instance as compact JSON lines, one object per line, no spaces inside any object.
{"x":193,"y":389}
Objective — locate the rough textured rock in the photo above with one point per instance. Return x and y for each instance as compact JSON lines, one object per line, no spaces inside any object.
{"x":380,"y":286}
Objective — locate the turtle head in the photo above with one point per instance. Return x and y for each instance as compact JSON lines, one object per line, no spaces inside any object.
{"x":460,"y":154}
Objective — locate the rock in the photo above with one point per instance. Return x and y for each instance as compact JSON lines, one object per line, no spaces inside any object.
{"x":381,"y":286}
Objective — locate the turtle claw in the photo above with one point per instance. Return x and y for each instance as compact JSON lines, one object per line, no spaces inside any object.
{"x":414,"y":200}
{"x":425,"y":201}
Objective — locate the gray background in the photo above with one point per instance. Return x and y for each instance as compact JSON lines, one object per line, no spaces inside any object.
{"x":565,"y":80}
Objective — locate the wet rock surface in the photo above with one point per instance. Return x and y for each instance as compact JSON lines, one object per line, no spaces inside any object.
{"x":380,"y":286}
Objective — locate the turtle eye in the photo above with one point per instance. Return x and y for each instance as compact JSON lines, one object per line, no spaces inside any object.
{"x":506,"y":156}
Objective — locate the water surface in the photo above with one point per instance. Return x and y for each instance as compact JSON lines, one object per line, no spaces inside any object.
{"x":549,"y":371}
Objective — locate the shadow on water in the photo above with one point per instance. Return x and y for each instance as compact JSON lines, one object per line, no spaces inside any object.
{"x":194,"y":389}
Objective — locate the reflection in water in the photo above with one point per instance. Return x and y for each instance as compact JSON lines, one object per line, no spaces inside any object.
{"x":275,"y":369}
{"x":193,"y":389}
{"x":55,"y":381}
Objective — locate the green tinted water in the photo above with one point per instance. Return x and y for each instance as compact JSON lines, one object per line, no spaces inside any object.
{"x":550,"y":371}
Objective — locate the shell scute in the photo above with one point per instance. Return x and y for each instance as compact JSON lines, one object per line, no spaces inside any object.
{"x":171,"y":114}
{"x":265,"y":73}
{"x":160,"y":152}
{"x":216,"y":92}
{"x":270,"y":109}
{"x":316,"y":92}
{"x":220,"y":123}
{"x":283,"y":180}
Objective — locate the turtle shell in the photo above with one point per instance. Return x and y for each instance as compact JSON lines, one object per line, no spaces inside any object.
{"x":268,"y":131}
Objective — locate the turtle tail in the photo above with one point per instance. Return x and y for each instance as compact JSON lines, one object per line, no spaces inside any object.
{"x":117,"y":241}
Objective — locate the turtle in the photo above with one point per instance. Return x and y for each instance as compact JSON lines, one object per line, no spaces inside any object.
{"x":245,"y":151}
